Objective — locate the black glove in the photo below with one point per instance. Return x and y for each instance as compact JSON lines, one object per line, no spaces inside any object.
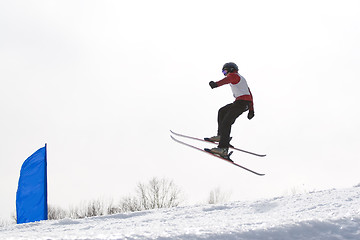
{"x":251,"y":114}
{"x":213,"y":84}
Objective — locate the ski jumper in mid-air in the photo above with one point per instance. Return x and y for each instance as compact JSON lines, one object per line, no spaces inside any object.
{"x":229,"y":113}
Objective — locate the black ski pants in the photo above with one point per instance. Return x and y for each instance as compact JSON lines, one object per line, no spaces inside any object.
{"x":226,"y":118}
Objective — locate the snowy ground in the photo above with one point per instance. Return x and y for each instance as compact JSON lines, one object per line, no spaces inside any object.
{"x":324,"y":215}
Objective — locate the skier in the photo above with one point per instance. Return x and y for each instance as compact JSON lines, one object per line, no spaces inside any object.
{"x":229,"y":113}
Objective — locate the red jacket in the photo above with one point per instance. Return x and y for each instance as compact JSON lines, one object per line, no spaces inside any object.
{"x":239,"y":87}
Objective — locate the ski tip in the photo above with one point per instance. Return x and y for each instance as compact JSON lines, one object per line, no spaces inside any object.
{"x":174,"y":133}
{"x":174,"y":139}
{"x":208,"y":140}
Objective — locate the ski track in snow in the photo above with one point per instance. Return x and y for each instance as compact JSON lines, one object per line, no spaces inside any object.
{"x":323,"y":215}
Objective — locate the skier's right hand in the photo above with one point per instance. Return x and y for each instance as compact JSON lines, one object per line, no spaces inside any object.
{"x":250,"y":115}
{"x":213,"y":84}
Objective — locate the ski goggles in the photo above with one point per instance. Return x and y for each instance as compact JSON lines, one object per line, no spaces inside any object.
{"x":225,"y":72}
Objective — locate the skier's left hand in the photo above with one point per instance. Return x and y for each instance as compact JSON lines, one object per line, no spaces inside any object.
{"x":250,"y":115}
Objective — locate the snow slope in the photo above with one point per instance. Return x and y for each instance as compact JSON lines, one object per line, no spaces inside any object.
{"x":323,"y":215}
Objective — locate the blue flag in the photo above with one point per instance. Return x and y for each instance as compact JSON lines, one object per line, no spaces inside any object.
{"x":31,"y":195}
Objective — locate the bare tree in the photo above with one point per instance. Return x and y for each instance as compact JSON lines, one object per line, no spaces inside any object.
{"x":4,"y":223}
{"x":218,"y":196}
{"x":55,"y":213}
{"x":14,"y":216}
{"x":130,"y":204}
{"x":112,"y":208}
{"x":94,"y":208}
{"x":158,"y":193}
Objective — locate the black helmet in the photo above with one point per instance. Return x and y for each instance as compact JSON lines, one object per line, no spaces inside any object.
{"x":230,"y":67}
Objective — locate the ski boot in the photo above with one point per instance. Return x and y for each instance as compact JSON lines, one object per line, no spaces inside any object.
{"x":213,"y":139}
{"x":222,"y":152}
{"x":216,"y":139}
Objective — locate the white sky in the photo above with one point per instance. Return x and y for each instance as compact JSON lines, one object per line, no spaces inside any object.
{"x":103,"y":82}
